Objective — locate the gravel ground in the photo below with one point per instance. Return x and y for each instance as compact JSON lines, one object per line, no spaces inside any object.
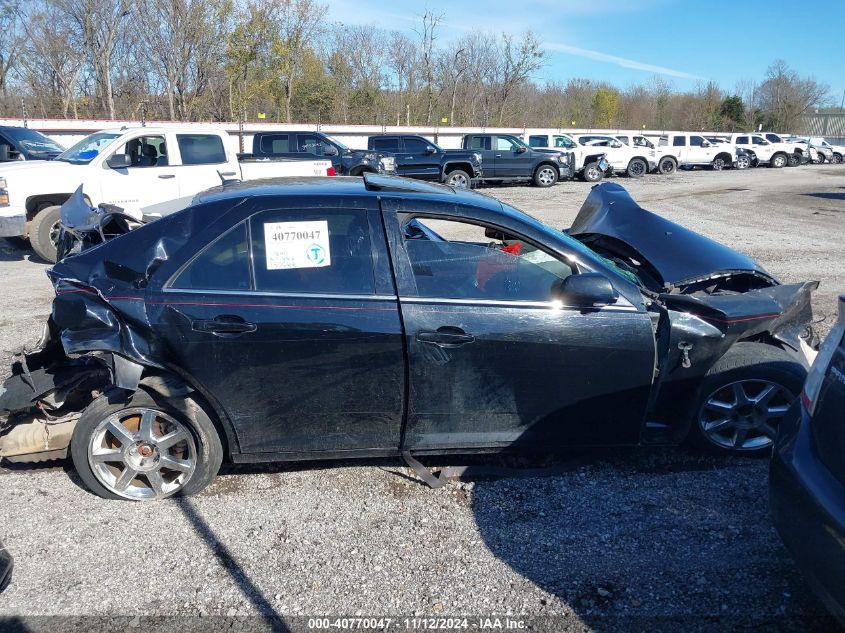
{"x":640,"y":539}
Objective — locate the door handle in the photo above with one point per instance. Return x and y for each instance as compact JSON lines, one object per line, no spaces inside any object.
{"x":445,"y":337}
{"x":166,"y":176}
{"x":224,"y":325}
{"x":497,"y":156}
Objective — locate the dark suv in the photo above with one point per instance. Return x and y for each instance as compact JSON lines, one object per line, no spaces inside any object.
{"x":807,"y":478}
{"x":417,"y":157}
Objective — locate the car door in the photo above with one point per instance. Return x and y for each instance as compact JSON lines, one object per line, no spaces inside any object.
{"x":681,"y":149}
{"x":203,"y":159}
{"x":700,"y":150}
{"x":316,"y":145}
{"x":149,"y":184}
{"x":493,"y":360}
{"x":422,"y":156}
{"x":509,"y":157}
{"x":288,"y":320}
{"x":483,"y":145}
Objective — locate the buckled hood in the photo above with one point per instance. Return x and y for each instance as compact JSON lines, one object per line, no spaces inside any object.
{"x":674,"y":254}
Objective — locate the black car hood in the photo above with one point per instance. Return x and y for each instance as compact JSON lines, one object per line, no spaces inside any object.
{"x":673,"y":253}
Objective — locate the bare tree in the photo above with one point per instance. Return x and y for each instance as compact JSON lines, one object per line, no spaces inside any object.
{"x":427,"y":33}
{"x":10,"y":41}
{"x":786,"y":96}
{"x":519,"y":60}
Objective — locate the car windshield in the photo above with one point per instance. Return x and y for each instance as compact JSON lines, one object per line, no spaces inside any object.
{"x":88,"y":148}
{"x":35,"y":142}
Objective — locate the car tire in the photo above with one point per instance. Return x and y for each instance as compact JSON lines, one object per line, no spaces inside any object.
{"x":17,"y":242}
{"x":637,"y":168}
{"x":821,"y":158}
{"x":718,"y":164}
{"x":837,"y":159}
{"x":793,"y":160}
{"x":777,"y":161}
{"x":458,"y":179}
{"x":44,"y":233}
{"x":743,"y":162}
{"x":592,"y":172}
{"x":743,"y":397}
{"x":196,"y":456}
{"x":545,"y":176}
{"x":667,"y":165}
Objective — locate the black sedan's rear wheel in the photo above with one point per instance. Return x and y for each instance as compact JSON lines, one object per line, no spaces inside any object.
{"x":743,"y":398}
{"x":145,"y":448}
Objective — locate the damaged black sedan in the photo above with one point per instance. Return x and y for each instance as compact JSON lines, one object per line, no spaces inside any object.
{"x":349,"y":317}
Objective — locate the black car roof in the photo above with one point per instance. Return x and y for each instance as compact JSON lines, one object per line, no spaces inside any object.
{"x":370,"y":186}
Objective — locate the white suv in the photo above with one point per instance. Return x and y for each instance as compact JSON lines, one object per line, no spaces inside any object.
{"x":633,"y":161}
{"x":798,"y":149}
{"x":693,"y":150}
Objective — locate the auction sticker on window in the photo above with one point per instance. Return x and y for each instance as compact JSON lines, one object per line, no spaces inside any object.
{"x":297,"y":244}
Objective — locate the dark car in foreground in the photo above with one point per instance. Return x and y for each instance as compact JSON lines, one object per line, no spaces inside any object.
{"x":380,"y":316}
{"x":20,"y":143}
{"x":807,"y":478}
{"x":6,"y":565}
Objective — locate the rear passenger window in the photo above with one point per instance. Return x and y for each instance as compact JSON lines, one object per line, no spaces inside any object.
{"x":479,"y":142}
{"x":742,"y":140}
{"x":275,"y":144}
{"x":679,"y":141}
{"x":386,"y":144}
{"x":222,"y":265}
{"x":312,"y":251}
{"x":201,"y":149}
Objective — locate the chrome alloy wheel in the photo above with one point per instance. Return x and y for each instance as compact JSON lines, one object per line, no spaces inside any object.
{"x":546,"y":176}
{"x":142,"y":454}
{"x":458,"y":180}
{"x":744,"y":415}
{"x":743,"y":162}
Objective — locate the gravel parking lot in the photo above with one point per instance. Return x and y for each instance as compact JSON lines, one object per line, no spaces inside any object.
{"x":641,"y":539}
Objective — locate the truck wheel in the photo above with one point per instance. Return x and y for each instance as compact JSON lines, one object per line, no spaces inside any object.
{"x":837,"y":159}
{"x":793,"y":160}
{"x":145,"y":448}
{"x":778,"y":161}
{"x":820,"y":159}
{"x":718,"y":164}
{"x":667,"y":165}
{"x":458,"y":179}
{"x":743,"y":162}
{"x":545,"y":176}
{"x":637,"y":168}
{"x":743,"y":398}
{"x":44,"y":233}
{"x":592,"y":172}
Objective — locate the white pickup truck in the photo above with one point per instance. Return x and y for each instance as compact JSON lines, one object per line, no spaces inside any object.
{"x":635,"y":161}
{"x":693,"y":150}
{"x":144,"y":170}
{"x":588,"y":160}
{"x":773,"y":154}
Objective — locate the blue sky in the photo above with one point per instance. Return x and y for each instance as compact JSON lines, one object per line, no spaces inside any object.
{"x":630,"y":41}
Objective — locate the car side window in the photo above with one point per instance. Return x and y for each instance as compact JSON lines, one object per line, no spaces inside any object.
{"x":742,"y":140}
{"x":696,"y":141}
{"x":534,"y":141}
{"x":386,"y":144}
{"x":275,"y":144}
{"x":679,"y":141}
{"x":145,"y":151}
{"x":222,"y":265}
{"x":453,"y":259}
{"x":562,"y":141}
{"x":311,"y":144}
{"x":758,"y":140}
{"x":479,"y":142}
{"x":415,"y":145}
{"x":312,"y":251}
{"x":201,"y":149}
{"x":504,"y":144}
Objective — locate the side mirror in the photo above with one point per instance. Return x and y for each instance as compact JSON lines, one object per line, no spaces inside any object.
{"x":118,"y":161}
{"x":587,"y":290}
{"x":521,"y":149}
{"x":430,"y":149}
{"x":330,"y":150}
{"x":706,"y":144}
{"x":4,"y":153}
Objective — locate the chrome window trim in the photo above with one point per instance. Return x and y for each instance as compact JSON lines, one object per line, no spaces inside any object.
{"x":287,"y":295}
{"x":550,"y":305}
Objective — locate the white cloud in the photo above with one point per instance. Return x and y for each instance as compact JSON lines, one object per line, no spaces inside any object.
{"x":619,"y":61}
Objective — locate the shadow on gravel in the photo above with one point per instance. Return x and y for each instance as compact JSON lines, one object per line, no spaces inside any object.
{"x":249,"y":589}
{"x":650,"y":540}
